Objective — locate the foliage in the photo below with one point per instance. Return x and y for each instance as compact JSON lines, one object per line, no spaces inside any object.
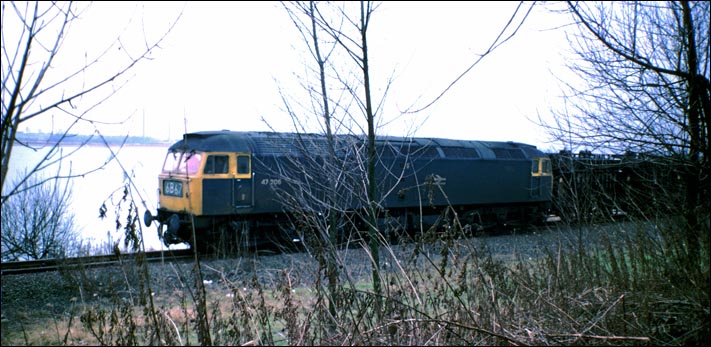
{"x":643,"y":82}
{"x":37,"y":223}
{"x":644,"y":87}
{"x":630,"y":286}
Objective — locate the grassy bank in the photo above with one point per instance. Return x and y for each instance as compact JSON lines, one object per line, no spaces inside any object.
{"x":640,"y":287}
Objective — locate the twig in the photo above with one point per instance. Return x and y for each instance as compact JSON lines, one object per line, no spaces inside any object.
{"x":599,"y":337}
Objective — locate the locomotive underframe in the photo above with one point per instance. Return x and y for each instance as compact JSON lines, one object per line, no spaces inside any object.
{"x":255,"y":230}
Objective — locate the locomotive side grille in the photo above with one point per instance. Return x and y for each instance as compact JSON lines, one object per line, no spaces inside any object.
{"x":425,"y":152}
{"x":460,"y":152}
{"x":289,"y":146}
{"x":274,"y":146}
{"x":508,"y":153}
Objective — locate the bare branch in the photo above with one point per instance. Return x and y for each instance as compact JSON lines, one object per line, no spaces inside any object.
{"x":500,"y":40}
{"x":37,"y":33}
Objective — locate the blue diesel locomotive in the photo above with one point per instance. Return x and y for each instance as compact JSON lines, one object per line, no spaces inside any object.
{"x":221,"y":182}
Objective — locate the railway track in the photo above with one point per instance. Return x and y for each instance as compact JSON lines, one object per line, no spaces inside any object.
{"x":45,"y":265}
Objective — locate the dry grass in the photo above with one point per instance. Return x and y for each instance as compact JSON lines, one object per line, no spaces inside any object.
{"x":642,"y":288}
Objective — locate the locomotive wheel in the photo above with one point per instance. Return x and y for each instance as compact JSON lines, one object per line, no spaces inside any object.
{"x":170,"y":235}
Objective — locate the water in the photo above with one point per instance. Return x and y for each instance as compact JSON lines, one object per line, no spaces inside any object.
{"x":140,"y":163}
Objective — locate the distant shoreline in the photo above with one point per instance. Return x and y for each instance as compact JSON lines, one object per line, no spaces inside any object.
{"x":99,"y":144}
{"x":42,"y":139}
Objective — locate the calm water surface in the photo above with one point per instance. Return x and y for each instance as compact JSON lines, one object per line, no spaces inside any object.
{"x":140,"y":163}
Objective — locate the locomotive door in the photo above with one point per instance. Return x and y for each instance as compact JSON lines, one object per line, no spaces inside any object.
{"x":242,"y":186}
{"x":541,"y":178}
{"x":535,"y":178}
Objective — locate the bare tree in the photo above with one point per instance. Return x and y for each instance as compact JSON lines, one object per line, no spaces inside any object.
{"x":33,"y":35}
{"x":339,"y":173}
{"x":644,"y":70}
{"x":322,"y":229}
{"x":37,"y":223}
{"x":346,"y":166}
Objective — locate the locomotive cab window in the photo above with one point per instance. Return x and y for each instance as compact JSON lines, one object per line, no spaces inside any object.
{"x":243,"y":165}
{"x":216,"y":164}
{"x":541,"y":167}
{"x":182,"y":163}
{"x":171,"y":161}
{"x":190,"y":163}
{"x":535,"y":163}
{"x":546,"y":167}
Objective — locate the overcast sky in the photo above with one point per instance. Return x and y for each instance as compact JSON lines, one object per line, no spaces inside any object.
{"x":221,"y":66}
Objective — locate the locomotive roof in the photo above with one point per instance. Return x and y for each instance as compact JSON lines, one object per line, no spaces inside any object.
{"x":282,"y":143}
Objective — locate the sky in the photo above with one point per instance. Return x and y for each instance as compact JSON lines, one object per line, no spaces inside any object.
{"x":223,"y":64}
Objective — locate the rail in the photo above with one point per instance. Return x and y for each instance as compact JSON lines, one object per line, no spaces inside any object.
{"x":44,"y":265}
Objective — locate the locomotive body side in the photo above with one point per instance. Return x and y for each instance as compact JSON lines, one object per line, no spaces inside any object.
{"x":492,"y":183}
{"x":224,"y":182}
